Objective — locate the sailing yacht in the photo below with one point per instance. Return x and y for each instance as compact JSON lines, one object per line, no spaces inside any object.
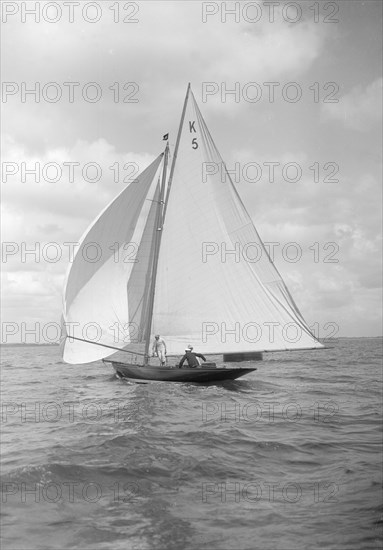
{"x":160,"y":265}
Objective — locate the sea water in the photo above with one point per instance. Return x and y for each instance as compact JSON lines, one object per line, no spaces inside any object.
{"x":288,"y":457}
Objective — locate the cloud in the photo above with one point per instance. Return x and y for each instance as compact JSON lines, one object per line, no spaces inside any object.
{"x":43,"y":220}
{"x":73,"y":182}
{"x":169,"y":47}
{"x":360,"y":109}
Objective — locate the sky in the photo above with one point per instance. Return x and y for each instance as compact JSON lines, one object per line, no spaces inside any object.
{"x":291,"y":94}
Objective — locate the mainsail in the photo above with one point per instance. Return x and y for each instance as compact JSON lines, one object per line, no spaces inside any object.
{"x":202,"y":278}
{"x":217,"y":288}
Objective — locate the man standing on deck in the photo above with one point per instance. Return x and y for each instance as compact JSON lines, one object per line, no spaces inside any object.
{"x":191,"y":358}
{"x":159,"y":349}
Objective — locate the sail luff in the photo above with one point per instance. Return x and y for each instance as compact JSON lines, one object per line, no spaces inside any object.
{"x":176,"y":148}
{"x":159,"y":222}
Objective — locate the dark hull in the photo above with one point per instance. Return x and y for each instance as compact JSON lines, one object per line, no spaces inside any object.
{"x":173,"y":374}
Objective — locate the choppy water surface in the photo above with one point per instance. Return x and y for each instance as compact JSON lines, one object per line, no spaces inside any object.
{"x":287,"y":458}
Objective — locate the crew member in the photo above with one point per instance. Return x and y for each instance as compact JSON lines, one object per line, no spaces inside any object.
{"x":191,"y":358}
{"x":159,"y":349}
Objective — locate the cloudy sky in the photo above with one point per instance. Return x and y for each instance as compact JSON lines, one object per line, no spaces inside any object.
{"x":317,"y":121}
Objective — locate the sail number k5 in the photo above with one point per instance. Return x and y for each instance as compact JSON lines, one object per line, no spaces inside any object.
{"x":191,"y":130}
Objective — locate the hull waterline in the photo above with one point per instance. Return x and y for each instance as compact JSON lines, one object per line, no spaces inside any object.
{"x":173,"y":374}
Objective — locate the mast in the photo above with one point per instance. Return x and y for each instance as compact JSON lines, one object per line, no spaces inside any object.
{"x":176,"y":147}
{"x":159,"y":224}
{"x":161,"y":211}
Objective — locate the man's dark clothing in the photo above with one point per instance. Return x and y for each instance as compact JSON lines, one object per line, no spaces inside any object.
{"x":191,"y":358}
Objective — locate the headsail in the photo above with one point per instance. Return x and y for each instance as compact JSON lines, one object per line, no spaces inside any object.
{"x":217,"y":288}
{"x":106,"y":290}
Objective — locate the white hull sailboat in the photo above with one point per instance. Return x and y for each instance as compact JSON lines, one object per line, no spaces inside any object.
{"x":175,"y":258}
